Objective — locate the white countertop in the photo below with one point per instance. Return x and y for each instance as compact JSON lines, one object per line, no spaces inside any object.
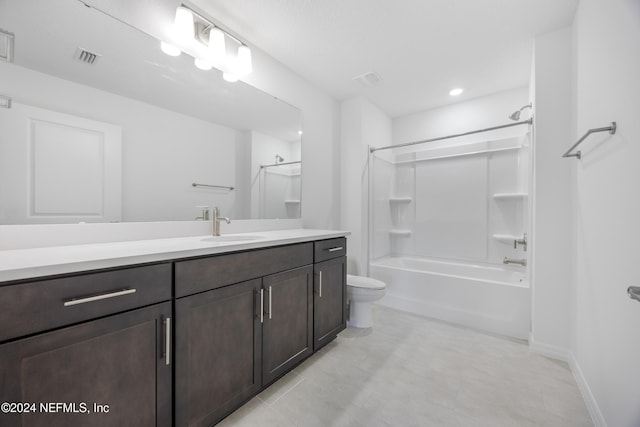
{"x":37,"y":262}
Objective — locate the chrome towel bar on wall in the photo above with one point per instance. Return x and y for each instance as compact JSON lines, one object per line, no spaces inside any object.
{"x":611,"y":129}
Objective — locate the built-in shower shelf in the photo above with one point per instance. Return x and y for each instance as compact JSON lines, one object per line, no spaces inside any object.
{"x":510,"y":196}
{"x":400,"y":200}
{"x":400,"y":233}
{"x":506,"y":238}
{"x":292,"y":202}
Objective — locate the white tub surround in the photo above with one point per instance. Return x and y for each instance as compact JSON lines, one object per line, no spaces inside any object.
{"x":20,"y":264}
{"x":488,"y":298}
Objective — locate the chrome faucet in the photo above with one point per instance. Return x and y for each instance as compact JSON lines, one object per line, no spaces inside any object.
{"x":216,"y":221}
{"x":522,"y":262}
{"x":522,"y":242}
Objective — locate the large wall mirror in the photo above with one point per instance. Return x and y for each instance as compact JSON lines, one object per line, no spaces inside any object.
{"x":98,"y":125}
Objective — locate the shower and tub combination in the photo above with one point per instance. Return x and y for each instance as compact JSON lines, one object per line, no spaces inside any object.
{"x":449,"y":226}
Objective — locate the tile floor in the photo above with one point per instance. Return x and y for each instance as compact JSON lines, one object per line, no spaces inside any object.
{"x":412,"y":371}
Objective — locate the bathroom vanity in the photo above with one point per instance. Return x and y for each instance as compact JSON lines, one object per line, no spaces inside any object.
{"x":180,"y":336}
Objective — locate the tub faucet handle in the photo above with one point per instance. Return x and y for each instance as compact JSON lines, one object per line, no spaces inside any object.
{"x":522,"y":242}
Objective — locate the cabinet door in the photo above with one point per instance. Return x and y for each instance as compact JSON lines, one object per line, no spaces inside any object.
{"x":288,"y":321}
{"x":108,"y":372}
{"x":329,"y":303}
{"x":218,"y":351}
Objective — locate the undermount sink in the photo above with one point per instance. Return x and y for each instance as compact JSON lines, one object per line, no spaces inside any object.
{"x":232,"y":238}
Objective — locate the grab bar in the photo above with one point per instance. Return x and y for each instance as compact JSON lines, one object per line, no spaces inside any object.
{"x":611,"y":129}
{"x":213,"y":186}
{"x":634,"y":292}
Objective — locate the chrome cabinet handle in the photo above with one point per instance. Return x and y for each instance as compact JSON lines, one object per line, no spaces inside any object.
{"x":634,"y":292}
{"x":269,"y":302}
{"x":261,"y":305}
{"x":167,"y":344}
{"x":75,"y":301}
{"x":338,"y":248}
{"x":320,"y":284}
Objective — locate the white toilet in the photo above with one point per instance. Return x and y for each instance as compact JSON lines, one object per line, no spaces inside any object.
{"x":361,"y":292}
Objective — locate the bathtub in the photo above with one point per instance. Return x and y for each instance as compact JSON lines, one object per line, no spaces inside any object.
{"x":489,"y":298}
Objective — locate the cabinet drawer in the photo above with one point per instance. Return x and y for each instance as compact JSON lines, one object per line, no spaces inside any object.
{"x":41,"y":305}
{"x":331,"y":248}
{"x":203,"y":274}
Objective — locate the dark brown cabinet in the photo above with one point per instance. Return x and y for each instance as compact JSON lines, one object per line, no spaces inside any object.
{"x":330,"y":290}
{"x":287,"y":334}
{"x":91,"y":349}
{"x":218,"y":352}
{"x":252,"y":324}
{"x":329,"y":304}
{"x":178,"y":343}
{"x":112,"y":371}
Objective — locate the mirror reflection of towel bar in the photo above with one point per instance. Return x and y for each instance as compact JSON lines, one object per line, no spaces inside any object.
{"x":212,"y":186}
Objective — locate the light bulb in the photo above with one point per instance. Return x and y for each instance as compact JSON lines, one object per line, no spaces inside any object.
{"x":170,"y":49}
{"x":183,"y":25}
{"x":203,"y":64}
{"x":456,"y":91}
{"x":217,"y":48}
{"x":243,"y":64}
{"x":230,"y":77}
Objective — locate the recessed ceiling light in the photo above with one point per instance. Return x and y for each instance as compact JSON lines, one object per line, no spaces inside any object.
{"x":455,"y":92}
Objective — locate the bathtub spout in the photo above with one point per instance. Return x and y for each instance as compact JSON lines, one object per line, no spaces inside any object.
{"x":522,"y":262}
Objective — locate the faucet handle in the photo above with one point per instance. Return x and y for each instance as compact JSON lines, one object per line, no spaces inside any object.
{"x":522,"y":241}
{"x":205,"y":213}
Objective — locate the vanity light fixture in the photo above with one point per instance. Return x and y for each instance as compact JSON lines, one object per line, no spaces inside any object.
{"x":207,"y":43}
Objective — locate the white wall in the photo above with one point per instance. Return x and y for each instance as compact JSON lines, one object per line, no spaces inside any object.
{"x":363,"y":125}
{"x":551,"y":242}
{"x":607,"y":209}
{"x":464,"y":116}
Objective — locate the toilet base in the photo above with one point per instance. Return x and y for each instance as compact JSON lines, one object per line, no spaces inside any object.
{"x":360,"y":314}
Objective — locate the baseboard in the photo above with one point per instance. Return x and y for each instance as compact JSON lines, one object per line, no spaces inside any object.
{"x":566,"y":356}
{"x":587,"y":396}
{"x":552,"y":351}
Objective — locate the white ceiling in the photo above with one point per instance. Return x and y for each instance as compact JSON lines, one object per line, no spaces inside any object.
{"x":420,"y":48}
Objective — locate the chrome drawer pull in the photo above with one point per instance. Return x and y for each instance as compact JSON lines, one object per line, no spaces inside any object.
{"x":270,"y":302}
{"x":339,"y":248}
{"x":119,"y":293}
{"x":320,"y":284}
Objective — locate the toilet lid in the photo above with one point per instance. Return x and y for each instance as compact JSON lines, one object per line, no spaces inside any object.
{"x":364,"y":282}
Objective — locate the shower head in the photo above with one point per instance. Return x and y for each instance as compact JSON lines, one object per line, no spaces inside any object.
{"x":279,"y":158}
{"x":516,"y":114}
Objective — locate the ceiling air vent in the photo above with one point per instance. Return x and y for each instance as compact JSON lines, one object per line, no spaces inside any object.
{"x":85,"y":56}
{"x":367,"y":79}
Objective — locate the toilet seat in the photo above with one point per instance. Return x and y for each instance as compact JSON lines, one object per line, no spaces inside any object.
{"x":364,"y":282}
